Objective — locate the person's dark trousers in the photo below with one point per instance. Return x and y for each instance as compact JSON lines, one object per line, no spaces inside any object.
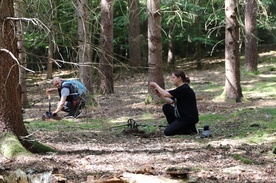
{"x":168,"y":111}
{"x":73,"y":109}
{"x":69,"y":108}
{"x":177,"y":127}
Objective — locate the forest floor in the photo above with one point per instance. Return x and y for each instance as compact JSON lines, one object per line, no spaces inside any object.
{"x":109,"y":150}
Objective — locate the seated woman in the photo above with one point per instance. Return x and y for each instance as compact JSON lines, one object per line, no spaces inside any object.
{"x":181,"y":106}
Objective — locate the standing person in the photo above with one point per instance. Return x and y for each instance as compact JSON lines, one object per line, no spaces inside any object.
{"x":72,"y":96}
{"x":183,"y":116}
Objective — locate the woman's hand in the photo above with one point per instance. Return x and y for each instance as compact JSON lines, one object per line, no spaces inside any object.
{"x":153,"y":85}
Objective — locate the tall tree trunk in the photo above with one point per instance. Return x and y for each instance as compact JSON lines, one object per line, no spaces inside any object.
{"x":232,"y":61}
{"x":106,"y":45}
{"x":198,"y":44}
{"x":251,"y":49}
{"x":21,"y":53}
{"x":10,"y":90}
{"x":51,"y":43}
{"x":198,"y":35}
{"x":84,"y":53}
{"x":134,"y":34}
{"x":50,"y":55}
{"x":11,"y":119}
{"x":155,"y":64}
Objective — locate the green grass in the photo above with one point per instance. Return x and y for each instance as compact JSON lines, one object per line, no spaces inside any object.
{"x":212,"y":88}
{"x":264,"y":88}
{"x":91,"y":124}
{"x":242,"y":159}
{"x":255,"y":124}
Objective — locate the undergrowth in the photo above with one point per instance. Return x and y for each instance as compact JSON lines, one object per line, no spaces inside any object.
{"x":254,"y":123}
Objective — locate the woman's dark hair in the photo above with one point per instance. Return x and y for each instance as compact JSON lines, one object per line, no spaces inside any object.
{"x":179,"y":73}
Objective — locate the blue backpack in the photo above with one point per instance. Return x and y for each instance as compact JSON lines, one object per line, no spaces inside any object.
{"x":79,"y":88}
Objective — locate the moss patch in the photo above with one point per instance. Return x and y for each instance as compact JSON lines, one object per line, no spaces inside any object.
{"x":41,"y":148}
{"x":10,"y":146}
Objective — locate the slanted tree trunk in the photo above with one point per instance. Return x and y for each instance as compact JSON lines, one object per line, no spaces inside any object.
{"x":21,"y":53}
{"x":84,"y":53}
{"x":11,"y":119}
{"x":134,"y":35}
{"x":155,"y":72}
{"x":251,"y":49}
{"x":106,"y":45}
{"x":232,"y":61}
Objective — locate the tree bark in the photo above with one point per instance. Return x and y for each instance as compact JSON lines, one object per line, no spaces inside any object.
{"x":10,"y":109}
{"x":134,"y":35}
{"x":11,"y":119}
{"x":232,"y":61}
{"x":50,"y":55}
{"x":84,"y":52}
{"x":106,"y":45}
{"x":251,"y":49}
{"x":51,"y":43}
{"x":155,"y":64}
{"x":198,"y":52}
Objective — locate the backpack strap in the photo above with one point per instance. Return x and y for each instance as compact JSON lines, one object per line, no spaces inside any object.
{"x":69,"y":85}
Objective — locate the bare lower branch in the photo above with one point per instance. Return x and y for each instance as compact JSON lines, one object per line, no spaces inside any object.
{"x":14,"y":58}
{"x":34,"y":21}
